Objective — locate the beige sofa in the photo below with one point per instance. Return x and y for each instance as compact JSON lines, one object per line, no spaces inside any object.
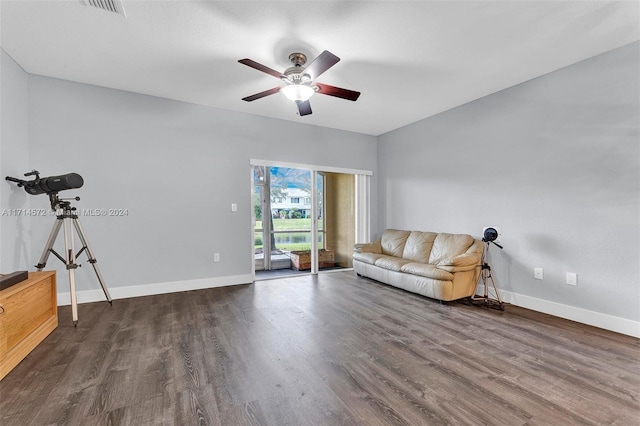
{"x":437,"y":265}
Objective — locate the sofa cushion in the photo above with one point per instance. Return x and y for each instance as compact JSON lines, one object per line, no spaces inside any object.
{"x":393,"y":242}
{"x":467,"y":261}
{"x":426,"y":270}
{"x":373,"y":247}
{"x":449,"y":245}
{"x":369,"y":258}
{"x":391,"y":263}
{"x":418,"y":246}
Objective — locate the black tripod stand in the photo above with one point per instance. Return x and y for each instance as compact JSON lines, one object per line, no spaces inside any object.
{"x":485,"y":274}
{"x":65,"y":216}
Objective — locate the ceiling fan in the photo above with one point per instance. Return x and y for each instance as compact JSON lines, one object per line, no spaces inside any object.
{"x":300,"y":80}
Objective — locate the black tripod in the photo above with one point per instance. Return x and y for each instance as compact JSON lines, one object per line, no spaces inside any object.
{"x":485,"y":274}
{"x":65,"y":214}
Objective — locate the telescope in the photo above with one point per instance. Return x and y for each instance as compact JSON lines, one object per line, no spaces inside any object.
{"x":67,"y":219}
{"x":48,"y":185}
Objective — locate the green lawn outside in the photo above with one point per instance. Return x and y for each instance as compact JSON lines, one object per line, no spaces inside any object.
{"x":287,"y":225}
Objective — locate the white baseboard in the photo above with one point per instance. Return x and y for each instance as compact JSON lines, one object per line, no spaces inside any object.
{"x":88,"y":296}
{"x":596,"y":319}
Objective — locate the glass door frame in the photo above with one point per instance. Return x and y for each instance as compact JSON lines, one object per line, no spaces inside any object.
{"x":265,"y":208}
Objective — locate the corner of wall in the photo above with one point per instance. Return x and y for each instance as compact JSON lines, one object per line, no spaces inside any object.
{"x":15,"y":243}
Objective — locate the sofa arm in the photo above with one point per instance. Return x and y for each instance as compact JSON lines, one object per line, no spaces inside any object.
{"x":373,"y":247}
{"x":462,"y":262}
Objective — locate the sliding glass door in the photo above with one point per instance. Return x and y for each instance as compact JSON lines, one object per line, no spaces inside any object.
{"x":304,"y":219}
{"x":283,"y":218}
{"x":340,"y":219}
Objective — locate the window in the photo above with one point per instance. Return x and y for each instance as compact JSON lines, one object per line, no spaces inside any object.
{"x":307,"y":201}
{"x":295,"y":200}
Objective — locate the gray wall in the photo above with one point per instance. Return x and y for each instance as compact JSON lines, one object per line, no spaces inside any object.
{"x":175,"y":167}
{"x":554,"y":162}
{"x":15,"y":244}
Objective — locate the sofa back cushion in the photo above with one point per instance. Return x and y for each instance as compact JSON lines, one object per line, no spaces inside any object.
{"x":418,"y":246}
{"x":393,"y":242}
{"x":449,"y":245}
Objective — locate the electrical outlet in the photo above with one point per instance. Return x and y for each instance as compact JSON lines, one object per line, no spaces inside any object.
{"x":538,"y":273}
{"x":572,"y":278}
{"x":216,"y":257}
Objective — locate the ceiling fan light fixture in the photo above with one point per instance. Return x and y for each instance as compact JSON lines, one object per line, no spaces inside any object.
{"x":298,"y":92}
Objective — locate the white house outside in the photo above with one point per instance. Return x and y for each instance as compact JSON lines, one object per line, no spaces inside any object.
{"x":294,"y":202}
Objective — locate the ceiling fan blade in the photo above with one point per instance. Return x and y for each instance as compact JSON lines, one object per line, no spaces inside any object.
{"x":304,"y":108}
{"x":253,"y":64}
{"x":338,"y":92}
{"x":261,"y":94}
{"x":323,"y":62}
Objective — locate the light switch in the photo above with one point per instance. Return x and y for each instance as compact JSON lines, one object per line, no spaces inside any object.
{"x":234,"y":207}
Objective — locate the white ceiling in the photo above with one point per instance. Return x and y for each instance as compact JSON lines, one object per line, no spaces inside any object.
{"x":409,"y":59}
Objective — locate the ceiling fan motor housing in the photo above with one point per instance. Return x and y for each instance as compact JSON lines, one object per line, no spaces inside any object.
{"x":298,"y":59}
{"x":295,"y":74}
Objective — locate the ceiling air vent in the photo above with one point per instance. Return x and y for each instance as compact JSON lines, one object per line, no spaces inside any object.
{"x":114,"y":6}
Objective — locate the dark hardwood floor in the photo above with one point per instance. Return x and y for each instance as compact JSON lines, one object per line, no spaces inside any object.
{"x":325,"y":350}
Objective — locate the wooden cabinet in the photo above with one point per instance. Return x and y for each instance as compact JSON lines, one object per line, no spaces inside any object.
{"x":28,"y":314}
